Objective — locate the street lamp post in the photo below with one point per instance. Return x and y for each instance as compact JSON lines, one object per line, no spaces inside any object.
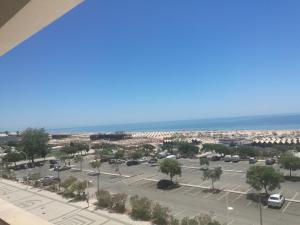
{"x":87,"y":192}
{"x":260,"y":211}
{"x":26,"y":165}
{"x":228,"y":208}
{"x":58,"y":177}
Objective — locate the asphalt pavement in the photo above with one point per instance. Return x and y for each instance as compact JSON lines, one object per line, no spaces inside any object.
{"x":191,"y":198}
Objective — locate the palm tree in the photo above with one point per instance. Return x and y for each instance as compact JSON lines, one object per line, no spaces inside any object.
{"x":96,"y":164}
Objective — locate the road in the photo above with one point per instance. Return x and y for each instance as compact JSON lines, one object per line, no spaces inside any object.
{"x":192,"y":200}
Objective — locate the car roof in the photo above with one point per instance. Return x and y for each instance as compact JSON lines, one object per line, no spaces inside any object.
{"x":275,"y":195}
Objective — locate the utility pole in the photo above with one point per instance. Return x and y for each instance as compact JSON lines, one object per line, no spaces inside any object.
{"x":260,"y":211}
{"x":58,"y":175}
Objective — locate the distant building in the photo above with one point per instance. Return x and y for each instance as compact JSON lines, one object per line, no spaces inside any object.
{"x":229,"y":141}
{"x":110,"y":137}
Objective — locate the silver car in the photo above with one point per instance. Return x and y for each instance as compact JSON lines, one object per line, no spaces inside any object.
{"x":276,"y":200}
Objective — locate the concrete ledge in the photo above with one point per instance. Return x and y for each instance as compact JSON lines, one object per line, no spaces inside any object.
{"x":14,"y":215}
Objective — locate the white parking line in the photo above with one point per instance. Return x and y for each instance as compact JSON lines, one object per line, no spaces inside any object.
{"x":236,"y":198}
{"x":180,"y":212}
{"x":249,"y":203}
{"x":288,"y":204}
{"x":224,"y":195}
{"x":187,"y":190}
{"x":210,"y":194}
{"x":230,"y":222}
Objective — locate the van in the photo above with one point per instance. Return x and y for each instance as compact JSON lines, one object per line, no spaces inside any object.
{"x":227,"y":158}
{"x":235,"y":158}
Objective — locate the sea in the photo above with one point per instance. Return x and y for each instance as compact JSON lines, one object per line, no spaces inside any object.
{"x":265,"y":122}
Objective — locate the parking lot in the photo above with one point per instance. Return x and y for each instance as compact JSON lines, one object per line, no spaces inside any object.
{"x":191,"y":199}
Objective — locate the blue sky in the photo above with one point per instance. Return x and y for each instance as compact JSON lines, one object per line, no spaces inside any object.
{"x":139,"y":60}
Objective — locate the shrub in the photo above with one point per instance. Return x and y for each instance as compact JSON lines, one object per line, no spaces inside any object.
{"x":68,"y":182}
{"x":103,"y":199}
{"x":160,"y":215}
{"x":206,"y":220}
{"x":67,"y":193}
{"x":140,"y":208}
{"x":79,"y":189}
{"x":174,"y":221}
{"x":52,"y":188}
{"x":118,"y":202}
{"x":185,"y":221}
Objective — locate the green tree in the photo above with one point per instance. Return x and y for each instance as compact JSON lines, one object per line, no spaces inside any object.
{"x":136,"y":154}
{"x":79,"y":159}
{"x":79,"y":188}
{"x":119,"y":154}
{"x":204,"y":162}
{"x":13,"y":157}
{"x":263,"y":177}
{"x":170,"y":167}
{"x":187,"y":149}
{"x":289,"y":162}
{"x":212,"y":174}
{"x":69,"y":150}
{"x":148,"y":149}
{"x":96,"y":164}
{"x":34,"y":142}
{"x":79,"y":146}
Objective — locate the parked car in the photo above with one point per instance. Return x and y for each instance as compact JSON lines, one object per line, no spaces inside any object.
{"x":93,"y":173}
{"x":214,"y":157}
{"x":39,"y":164}
{"x":227,"y":158}
{"x":276,"y":200}
{"x":61,"y":168}
{"x":114,"y":161}
{"x":132,"y":162}
{"x":30,"y":165}
{"x":171,"y":157}
{"x":52,"y":161}
{"x":252,"y":160}
{"x":48,"y":180}
{"x":152,"y":160}
{"x":165,"y":184}
{"x":235,"y":158}
{"x":270,"y":161}
{"x":20,"y":167}
{"x":142,"y":160}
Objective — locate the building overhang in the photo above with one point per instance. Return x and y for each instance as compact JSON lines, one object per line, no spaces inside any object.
{"x":20,"y":19}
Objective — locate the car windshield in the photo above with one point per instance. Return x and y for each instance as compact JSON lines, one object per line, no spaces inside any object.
{"x":274,"y":198}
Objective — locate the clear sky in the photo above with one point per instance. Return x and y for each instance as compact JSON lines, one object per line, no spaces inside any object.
{"x":115,"y":61}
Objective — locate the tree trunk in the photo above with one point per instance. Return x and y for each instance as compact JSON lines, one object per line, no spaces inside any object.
{"x":81,"y":165}
{"x":171,"y":177}
{"x":98,"y":183}
{"x":266,"y":190}
{"x":212,"y":184}
{"x":290,"y":172}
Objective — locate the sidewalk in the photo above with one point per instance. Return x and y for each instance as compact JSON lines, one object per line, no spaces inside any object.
{"x":57,"y":210}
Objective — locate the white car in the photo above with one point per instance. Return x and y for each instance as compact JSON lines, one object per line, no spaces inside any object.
{"x":171,"y":157}
{"x":276,"y":200}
